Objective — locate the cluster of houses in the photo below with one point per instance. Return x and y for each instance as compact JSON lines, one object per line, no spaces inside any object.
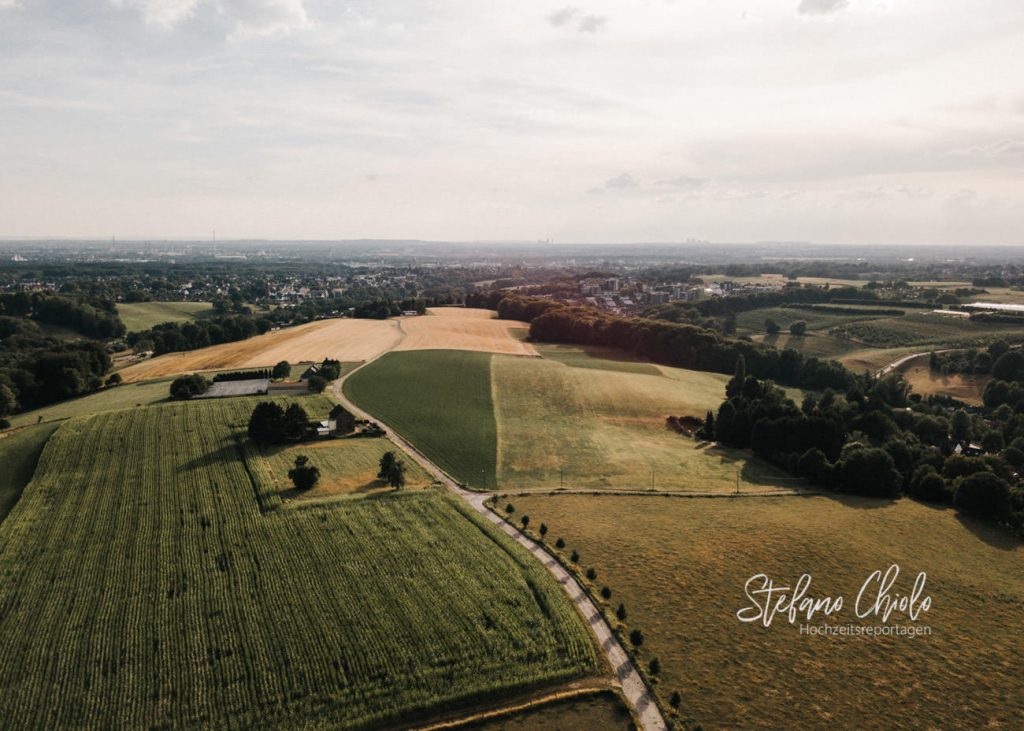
{"x":628,"y":296}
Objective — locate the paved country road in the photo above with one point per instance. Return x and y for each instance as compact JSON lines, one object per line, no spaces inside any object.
{"x":637,"y":695}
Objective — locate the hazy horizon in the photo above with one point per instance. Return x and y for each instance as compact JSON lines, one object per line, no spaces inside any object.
{"x":858,"y":122}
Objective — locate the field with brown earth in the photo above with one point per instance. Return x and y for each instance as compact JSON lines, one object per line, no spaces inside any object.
{"x":461,"y":328}
{"x":965,"y":387}
{"x":680,"y":565}
{"x":341,"y":339}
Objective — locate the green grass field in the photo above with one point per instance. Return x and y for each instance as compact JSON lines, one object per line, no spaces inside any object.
{"x":347,"y":467}
{"x":571,"y":418}
{"x":927,"y":329}
{"x":441,"y":401}
{"x":19,"y":452}
{"x":143,"y":587}
{"x":138,"y":316}
{"x":680,"y":566}
{"x":109,"y":399}
{"x":752,"y":321}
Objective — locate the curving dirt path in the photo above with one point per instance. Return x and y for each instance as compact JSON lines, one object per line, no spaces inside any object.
{"x":635,"y":691}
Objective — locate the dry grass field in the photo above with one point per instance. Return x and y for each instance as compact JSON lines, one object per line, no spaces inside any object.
{"x":965,"y":387}
{"x":460,"y":328}
{"x":347,"y":467}
{"x":342,"y":339}
{"x":680,"y":566}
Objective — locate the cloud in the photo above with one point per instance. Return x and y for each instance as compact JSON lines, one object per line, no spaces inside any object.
{"x":621,"y":182}
{"x":592,"y":23}
{"x":564,"y":16}
{"x":8,"y":4}
{"x":161,"y":13}
{"x":1000,"y":148}
{"x":587,"y":23}
{"x":685,"y":181}
{"x":821,"y":7}
{"x":250,"y":17}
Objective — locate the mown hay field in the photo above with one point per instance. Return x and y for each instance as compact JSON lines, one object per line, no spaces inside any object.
{"x":341,"y":339}
{"x":144,"y":315}
{"x":142,"y":586}
{"x":680,"y":566}
{"x":464,"y":328}
{"x":967,"y":387}
{"x":347,"y":467}
{"x":571,"y":418}
{"x":19,"y":452}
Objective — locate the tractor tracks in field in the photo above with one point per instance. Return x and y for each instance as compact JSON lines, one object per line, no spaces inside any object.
{"x":635,"y":691}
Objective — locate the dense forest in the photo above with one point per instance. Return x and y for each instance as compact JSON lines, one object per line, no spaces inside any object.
{"x":91,"y":317}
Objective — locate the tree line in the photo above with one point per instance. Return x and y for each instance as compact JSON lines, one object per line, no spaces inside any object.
{"x":878,"y":439}
{"x":91,"y":317}
{"x":674,"y":344}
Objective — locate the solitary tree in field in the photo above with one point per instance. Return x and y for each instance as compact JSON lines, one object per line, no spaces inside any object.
{"x":621,"y":612}
{"x":387,"y":461}
{"x":654,"y":666}
{"x":798,"y":328}
{"x":303,"y":475}
{"x":525,"y":520}
{"x":543,"y":531}
{"x":396,"y":475}
{"x":575,"y":557}
{"x":771,"y":327}
{"x":282,"y":370}
{"x":675,"y":701}
{"x":606,"y":593}
{"x":510,"y":509}
{"x":636,"y":638}
{"x":560,"y":543}
{"x":591,"y":574}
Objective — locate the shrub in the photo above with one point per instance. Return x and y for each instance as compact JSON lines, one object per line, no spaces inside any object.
{"x":606,"y":593}
{"x":654,"y":666}
{"x":525,"y":520}
{"x":114,"y":379}
{"x":575,"y":557}
{"x":510,"y":509}
{"x":543,"y":531}
{"x":636,"y":638}
{"x":560,"y":543}
{"x":676,"y":700}
{"x":303,"y":475}
{"x":620,"y":612}
{"x":985,"y":495}
{"x":186,"y":387}
{"x":591,"y":574}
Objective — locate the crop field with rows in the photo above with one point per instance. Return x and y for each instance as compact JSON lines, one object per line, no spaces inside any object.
{"x":141,"y":586}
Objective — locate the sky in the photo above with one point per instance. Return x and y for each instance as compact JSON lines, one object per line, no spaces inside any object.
{"x":833,"y":121}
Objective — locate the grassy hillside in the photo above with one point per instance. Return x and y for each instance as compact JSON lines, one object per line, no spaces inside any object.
{"x":143,"y":587}
{"x":574,"y":416}
{"x":441,"y":401}
{"x":125,"y":396}
{"x":680,"y":567}
{"x":19,"y":452}
{"x":144,"y":315}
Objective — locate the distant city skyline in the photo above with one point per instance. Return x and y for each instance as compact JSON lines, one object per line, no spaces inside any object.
{"x":827,"y":121}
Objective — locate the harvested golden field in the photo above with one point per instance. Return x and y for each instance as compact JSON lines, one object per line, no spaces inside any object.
{"x":343,"y":339}
{"x":461,"y":328}
{"x":680,"y":566}
{"x":965,"y":387}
